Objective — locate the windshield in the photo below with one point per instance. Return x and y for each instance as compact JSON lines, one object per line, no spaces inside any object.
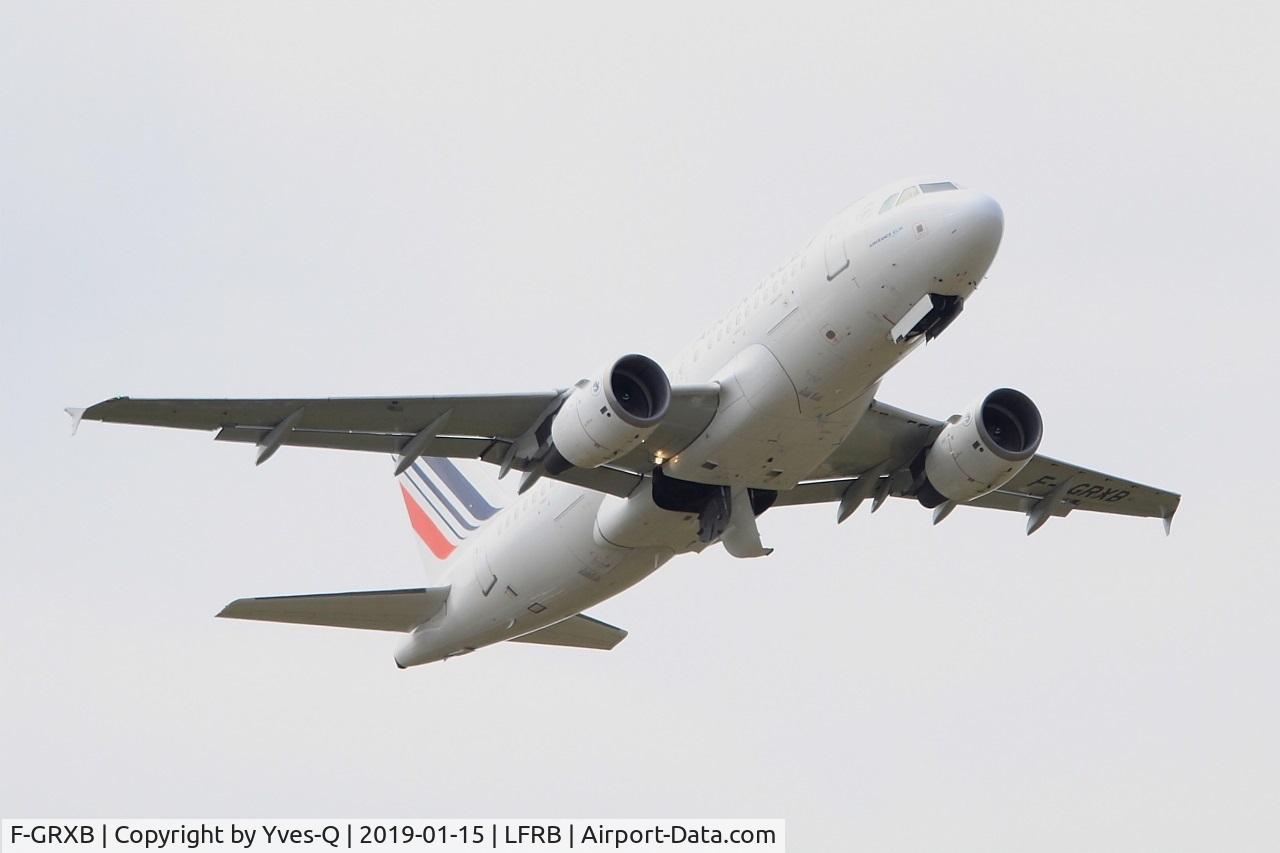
{"x":913,"y":191}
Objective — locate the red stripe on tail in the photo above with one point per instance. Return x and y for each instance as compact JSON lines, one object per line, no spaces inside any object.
{"x":426,"y":528}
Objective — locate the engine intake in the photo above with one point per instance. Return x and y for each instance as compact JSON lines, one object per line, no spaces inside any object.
{"x":609,"y":415}
{"x":982,"y":448}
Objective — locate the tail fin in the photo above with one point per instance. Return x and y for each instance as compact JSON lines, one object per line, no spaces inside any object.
{"x":445,"y":505}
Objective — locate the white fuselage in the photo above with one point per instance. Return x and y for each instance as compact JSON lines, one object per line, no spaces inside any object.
{"x":797,"y":361}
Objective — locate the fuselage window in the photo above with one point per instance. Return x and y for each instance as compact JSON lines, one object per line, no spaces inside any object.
{"x":908,"y":194}
{"x":888,"y":203}
{"x":939,"y":186}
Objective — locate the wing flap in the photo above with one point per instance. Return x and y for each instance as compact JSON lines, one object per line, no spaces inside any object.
{"x":581,"y":632}
{"x":451,"y":446}
{"x":375,"y":610}
{"x":815,"y":492}
{"x":1011,"y":502}
{"x":607,"y":479}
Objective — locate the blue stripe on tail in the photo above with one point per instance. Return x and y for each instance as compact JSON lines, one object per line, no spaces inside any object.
{"x":461,"y":487}
{"x":434,"y":505}
{"x":444,"y":500}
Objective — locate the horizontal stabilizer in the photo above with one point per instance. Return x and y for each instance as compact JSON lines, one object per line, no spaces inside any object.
{"x":376,"y":610}
{"x":579,"y":631}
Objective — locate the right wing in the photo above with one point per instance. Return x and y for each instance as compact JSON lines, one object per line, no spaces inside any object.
{"x":491,"y":427}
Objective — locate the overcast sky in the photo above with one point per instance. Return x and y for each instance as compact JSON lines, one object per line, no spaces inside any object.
{"x":272,"y":200}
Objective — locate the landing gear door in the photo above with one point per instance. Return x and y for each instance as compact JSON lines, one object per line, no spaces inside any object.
{"x":837,"y":257}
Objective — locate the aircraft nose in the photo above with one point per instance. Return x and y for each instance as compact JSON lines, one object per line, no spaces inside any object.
{"x":977,"y":222}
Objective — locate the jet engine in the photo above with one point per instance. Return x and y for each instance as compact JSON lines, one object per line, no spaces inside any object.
{"x":981,"y":449}
{"x":609,"y":415}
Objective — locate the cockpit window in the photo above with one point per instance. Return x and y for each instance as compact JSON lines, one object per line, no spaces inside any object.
{"x":911,"y":192}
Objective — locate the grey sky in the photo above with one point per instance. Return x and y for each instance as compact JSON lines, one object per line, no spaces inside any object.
{"x":266,"y":200}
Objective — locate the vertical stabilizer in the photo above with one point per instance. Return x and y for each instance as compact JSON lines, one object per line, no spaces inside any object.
{"x":447,"y":506}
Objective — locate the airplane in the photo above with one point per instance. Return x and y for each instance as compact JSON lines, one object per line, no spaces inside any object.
{"x":772,"y":406}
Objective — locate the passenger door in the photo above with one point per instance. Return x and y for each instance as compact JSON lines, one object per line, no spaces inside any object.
{"x":837,"y":257}
{"x":484,"y":575}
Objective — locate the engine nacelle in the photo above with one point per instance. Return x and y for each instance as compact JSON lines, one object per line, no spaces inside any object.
{"x":982,"y":448}
{"x":609,"y":415}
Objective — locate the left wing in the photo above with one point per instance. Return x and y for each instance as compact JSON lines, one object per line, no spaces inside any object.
{"x":874,"y":461}
{"x":498,"y":428}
